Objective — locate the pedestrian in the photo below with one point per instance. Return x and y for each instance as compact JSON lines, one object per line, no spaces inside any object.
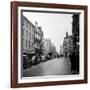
{"x":77,"y":64}
{"x":72,"y":61}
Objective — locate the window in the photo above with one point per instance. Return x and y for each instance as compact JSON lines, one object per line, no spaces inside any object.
{"x":35,"y":35}
{"x":26,"y":24}
{"x":26,"y":33}
{"x":29,"y":44}
{"x":29,"y":35}
{"x":26,"y":43}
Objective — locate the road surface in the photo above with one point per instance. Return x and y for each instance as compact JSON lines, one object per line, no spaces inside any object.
{"x":58,"y":66}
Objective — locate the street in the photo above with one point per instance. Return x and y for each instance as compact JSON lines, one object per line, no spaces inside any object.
{"x":58,"y":66}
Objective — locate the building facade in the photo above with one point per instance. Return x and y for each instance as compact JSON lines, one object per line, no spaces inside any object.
{"x":49,"y":48}
{"x":75,"y":33}
{"x":68,"y":45}
{"x":46,"y":46}
{"x":38,"y":39}
{"x":32,"y":36}
{"x":27,"y":36}
{"x":71,"y":42}
{"x":61,"y":51}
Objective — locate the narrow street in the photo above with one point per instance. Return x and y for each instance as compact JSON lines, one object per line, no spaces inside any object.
{"x":58,"y":66}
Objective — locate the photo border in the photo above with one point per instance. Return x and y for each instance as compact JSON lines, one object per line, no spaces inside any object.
{"x":14,"y":43}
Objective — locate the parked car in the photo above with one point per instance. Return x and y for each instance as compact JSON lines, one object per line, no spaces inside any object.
{"x":25,"y":62}
{"x":43,"y":58}
{"x":35,"y":59}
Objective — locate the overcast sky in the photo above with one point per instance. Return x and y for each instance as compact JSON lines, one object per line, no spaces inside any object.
{"x":54,"y":26}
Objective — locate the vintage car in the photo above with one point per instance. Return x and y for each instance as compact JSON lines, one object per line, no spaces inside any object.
{"x":25,"y":62}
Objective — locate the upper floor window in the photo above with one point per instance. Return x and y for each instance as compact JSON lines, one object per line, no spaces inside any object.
{"x":26,"y":33}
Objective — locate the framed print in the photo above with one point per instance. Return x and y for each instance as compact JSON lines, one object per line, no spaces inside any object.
{"x":48,"y":44}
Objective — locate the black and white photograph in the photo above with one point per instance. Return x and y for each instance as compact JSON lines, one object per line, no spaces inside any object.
{"x":50,"y":43}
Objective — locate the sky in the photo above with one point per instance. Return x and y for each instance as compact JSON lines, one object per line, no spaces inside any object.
{"x":54,"y":26}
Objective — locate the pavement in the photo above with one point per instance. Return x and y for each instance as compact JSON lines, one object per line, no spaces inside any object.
{"x":58,"y":66}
